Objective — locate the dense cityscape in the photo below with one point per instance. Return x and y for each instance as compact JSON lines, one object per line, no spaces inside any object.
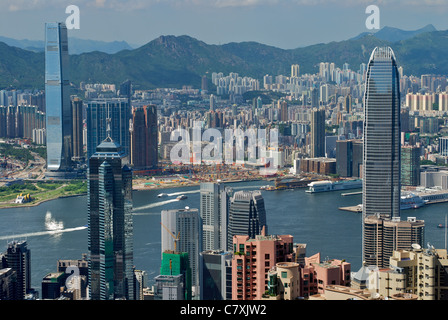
{"x":369,"y":129}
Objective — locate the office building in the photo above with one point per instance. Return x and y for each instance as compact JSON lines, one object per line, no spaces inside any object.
{"x":383,"y":235}
{"x":317,"y":143}
{"x":247,"y":215}
{"x":214,"y":210}
{"x":77,"y":125}
{"x":252,"y":260}
{"x":381,"y":165}
{"x":52,"y":284}
{"x":144,"y":138}
{"x":410,"y":166}
{"x":349,"y":158}
{"x":104,"y":115}
{"x":169,"y":287}
{"x":18,"y":258}
{"x":110,"y":239}
{"x":181,"y":232}
{"x":57,"y":98}
{"x":216,"y":279}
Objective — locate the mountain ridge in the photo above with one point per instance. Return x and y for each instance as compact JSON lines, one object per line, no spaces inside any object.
{"x":174,"y":61}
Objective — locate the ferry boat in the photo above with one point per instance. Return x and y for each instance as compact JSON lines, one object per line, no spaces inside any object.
{"x":327,"y":185}
{"x":411,"y":201}
{"x":162,"y":195}
{"x":181,"y":197}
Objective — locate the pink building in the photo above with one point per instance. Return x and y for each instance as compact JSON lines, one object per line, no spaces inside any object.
{"x":252,"y":260}
{"x":316,"y":275}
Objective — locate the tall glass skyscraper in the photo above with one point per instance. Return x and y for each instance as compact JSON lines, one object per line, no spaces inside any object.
{"x":57,"y":97}
{"x":247,"y":215}
{"x":110,"y":224}
{"x":381,"y":164}
{"x":381,"y":156}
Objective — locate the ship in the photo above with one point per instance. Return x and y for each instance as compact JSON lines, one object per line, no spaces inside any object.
{"x":411,"y":201}
{"x":327,"y":185}
{"x":162,"y":195}
{"x":181,"y":197}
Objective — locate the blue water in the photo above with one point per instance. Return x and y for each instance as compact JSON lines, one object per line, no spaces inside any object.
{"x":313,"y":219}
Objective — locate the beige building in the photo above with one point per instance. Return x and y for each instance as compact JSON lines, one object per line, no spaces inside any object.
{"x":285,"y":280}
{"x":422,"y":272}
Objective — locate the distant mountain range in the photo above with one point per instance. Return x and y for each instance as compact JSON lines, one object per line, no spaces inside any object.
{"x":394,"y":34}
{"x":76,"y":45}
{"x":174,"y":61}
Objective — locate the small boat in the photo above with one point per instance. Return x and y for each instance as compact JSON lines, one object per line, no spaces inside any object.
{"x":440,"y":225}
{"x":162,"y":195}
{"x":182,"y":197}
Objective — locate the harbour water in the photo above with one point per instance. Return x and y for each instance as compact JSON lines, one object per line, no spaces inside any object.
{"x":313,"y":219}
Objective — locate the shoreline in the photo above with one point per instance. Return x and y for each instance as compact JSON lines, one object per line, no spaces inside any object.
{"x":137,"y":187}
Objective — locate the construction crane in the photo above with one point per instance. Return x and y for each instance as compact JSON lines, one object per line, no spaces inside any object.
{"x":176,"y":239}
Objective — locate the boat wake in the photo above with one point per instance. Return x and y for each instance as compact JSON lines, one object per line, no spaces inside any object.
{"x":41,"y":233}
{"x":153,"y":205}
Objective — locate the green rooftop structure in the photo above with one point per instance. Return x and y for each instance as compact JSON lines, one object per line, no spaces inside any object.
{"x":174,"y":263}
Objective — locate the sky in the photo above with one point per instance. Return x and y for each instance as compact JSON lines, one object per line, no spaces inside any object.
{"x":285,"y":24}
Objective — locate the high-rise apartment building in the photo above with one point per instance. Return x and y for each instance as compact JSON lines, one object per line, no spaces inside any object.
{"x":253,"y":257}
{"x":247,"y":215}
{"x":295,"y":71}
{"x":383,"y":235}
{"x":317,"y":143}
{"x":144,"y":138}
{"x":110,"y":240}
{"x":57,"y":98}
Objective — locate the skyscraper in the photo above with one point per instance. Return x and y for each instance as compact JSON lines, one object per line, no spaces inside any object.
{"x":110,"y":224}
{"x":144,"y":140}
{"x":182,"y":232}
{"x":214,"y":215}
{"x":57,"y":98}
{"x":381,"y":165}
{"x":247,"y":215}
{"x":78,"y":150}
{"x":410,"y":165}
{"x":317,"y":143}
{"x":18,"y":258}
{"x":114,"y":114}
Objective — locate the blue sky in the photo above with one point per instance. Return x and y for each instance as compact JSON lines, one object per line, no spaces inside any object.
{"x":281,"y":23}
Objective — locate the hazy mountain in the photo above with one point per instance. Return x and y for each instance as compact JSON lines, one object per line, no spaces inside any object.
{"x":394,"y":34}
{"x":174,"y":61}
{"x":76,"y":45}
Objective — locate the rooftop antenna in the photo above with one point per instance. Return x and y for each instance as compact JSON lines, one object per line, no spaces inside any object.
{"x":108,"y":122}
